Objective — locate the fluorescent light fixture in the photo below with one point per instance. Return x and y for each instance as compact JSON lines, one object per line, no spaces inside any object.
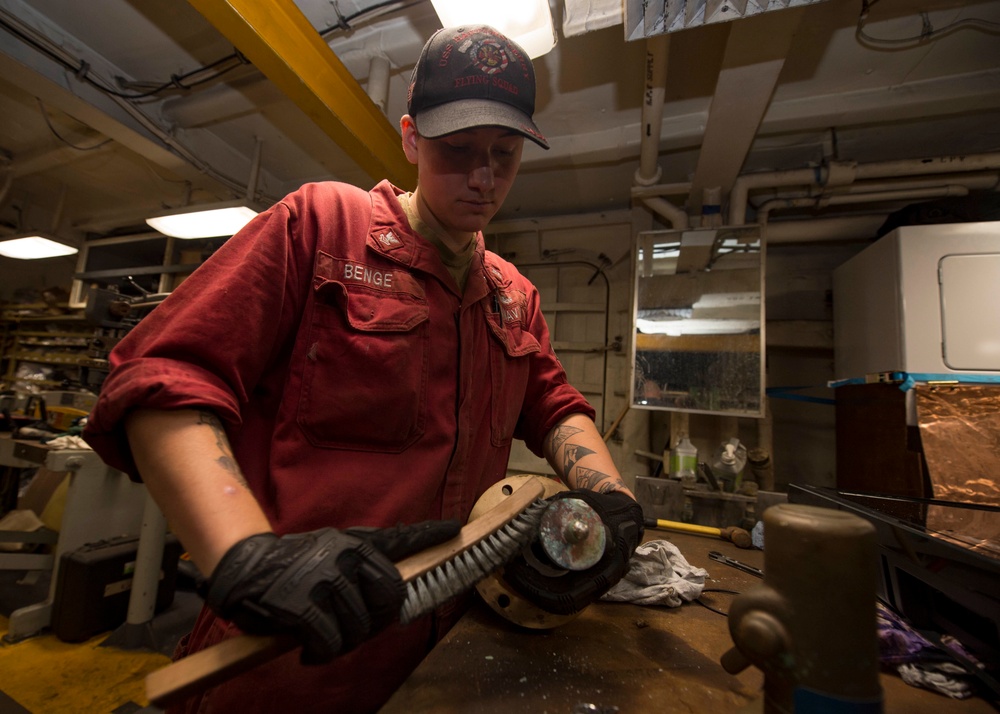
{"x":34,"y":247}
{"x":527,"y":22}
{"x":205,"y":221}
{"x":676,"y":328}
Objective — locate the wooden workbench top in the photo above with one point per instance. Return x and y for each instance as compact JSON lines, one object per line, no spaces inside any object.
{"x":617,"y":657}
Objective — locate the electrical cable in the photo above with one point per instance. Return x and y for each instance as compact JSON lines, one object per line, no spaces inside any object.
{"x":927,"y":32}
{"x":715,"y":590}
{"x":48,"y":123}
{"x":83,"y":72}
{"x":45,"y":46}
{"x":178,"y":81}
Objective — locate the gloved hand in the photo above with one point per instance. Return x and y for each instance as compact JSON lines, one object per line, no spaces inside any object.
{"x":565,"y":592}
{"x":332,"y":589}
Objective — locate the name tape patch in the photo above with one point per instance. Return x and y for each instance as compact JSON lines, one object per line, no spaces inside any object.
{"x":359,"y":273}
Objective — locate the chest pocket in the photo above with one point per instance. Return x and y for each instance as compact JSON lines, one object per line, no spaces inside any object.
{"x":364,"y":374}
{"x":510,"y":365}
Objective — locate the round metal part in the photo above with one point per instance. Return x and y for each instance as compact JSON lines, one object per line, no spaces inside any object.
{"x":572,"y":534}
{"x":494,"y":590}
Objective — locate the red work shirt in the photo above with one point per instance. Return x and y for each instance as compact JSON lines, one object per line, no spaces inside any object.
{"x":358,"y":386}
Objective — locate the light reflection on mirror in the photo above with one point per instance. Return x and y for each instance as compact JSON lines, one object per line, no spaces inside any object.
{"x":698,"y":321}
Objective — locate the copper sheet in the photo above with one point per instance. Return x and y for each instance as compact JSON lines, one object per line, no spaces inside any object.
{"x":960,"y":436}
{"x":977,"y":530}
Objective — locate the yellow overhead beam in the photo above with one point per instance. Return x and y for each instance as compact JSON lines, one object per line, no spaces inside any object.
{"x":283,"y":44}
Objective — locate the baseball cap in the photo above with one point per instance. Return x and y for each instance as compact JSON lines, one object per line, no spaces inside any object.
{"x":473,"y":76}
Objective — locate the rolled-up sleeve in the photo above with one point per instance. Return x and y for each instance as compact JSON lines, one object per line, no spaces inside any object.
{"x":207,"y":345}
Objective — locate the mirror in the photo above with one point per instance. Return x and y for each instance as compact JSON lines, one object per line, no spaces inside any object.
{"x":698,"y":321}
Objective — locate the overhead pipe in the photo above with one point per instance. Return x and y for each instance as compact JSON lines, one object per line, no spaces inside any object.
{"x":843,"y":173}
{"x":378,"y":81}
{"x":161,"y":134}
{"x":973,"y":182}
{"x":672,"y":214}
{"x":842,"y":229}
{"x":254,"y":180}
{"x":711,"y":207}
{"x":7,"y":183}
{"x":649,"y":172}
{"x":843,"y":199}
{"x":396,"y":43}
{"x":836,"y":176}
{"x":681,"y":188}
{"x":57,"y":212}
{"x":859,"y":228}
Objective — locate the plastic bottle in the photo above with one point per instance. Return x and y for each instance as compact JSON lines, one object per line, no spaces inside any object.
{"x":684,"y":460}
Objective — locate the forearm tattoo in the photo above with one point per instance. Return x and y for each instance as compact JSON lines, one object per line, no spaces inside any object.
{"x":573,"y":453}
{"x":585,"y":478}
{"x":226,"y":459}
{"x":558,"y":437}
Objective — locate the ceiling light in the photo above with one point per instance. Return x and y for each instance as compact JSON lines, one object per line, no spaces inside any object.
{"x":527,"y":22}
{"x":205,"y":221}
{"x":33,"y":247}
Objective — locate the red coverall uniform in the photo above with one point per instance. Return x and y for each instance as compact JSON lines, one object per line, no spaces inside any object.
{"x":358,"y":386}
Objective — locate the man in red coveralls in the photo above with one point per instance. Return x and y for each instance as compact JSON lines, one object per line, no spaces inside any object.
{"x":357,"y":358}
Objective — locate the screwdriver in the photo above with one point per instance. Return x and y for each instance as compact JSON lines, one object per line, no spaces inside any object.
{"x":732,"y":562}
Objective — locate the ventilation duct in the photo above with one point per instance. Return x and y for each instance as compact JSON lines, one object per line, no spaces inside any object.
{"x":645,"y":18}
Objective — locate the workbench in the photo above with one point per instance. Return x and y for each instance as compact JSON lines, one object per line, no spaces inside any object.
{"x":617,"y":657}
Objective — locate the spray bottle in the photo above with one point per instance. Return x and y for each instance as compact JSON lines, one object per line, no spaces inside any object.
{"x":728,"y":464}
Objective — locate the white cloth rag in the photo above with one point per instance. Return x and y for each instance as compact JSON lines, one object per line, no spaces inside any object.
{"x":658,"y":575}
{"x":67,"y":441}
{"x":944,"y":677}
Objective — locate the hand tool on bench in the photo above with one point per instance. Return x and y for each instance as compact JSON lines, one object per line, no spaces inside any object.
{"x":732,"y":562}
{"x":432,"y":577}
{"x":737,"y":536}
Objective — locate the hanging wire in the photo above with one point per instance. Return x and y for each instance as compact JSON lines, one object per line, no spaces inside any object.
{"x":48,"y":123}
{"x":927,"y":32}
{"x":189,"y":80}
{"x":716,"y":590}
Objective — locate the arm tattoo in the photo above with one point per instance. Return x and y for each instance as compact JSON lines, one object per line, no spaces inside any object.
{"x":585,"y":478}
{"x":226,"y":459}
{"x":572,"y":454}
{"x":597,"y":481}
{"x":559,"y":436}
{"x":588,"y":478}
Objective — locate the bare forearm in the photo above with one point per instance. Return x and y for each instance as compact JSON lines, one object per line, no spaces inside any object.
{"x":580,"y":457}
{"x":187,"y":464}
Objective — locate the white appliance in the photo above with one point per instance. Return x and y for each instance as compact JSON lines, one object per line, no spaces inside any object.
{"x":922,"y":300}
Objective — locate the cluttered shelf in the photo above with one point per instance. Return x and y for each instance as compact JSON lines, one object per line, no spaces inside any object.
{"x":43,"y":344}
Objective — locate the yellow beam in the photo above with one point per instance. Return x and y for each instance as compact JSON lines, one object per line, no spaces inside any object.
{"x":282,"y":44}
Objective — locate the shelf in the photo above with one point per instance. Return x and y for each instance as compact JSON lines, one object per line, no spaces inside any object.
{"x":43,"y":318}
{"x":42,"y":358}
{"x":71,"y":335}
{"x":129,"y":272}
{"x":25,"y":340}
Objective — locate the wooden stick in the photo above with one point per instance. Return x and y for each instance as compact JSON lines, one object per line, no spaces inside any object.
{"x":609,"y":432}
{"x":214,"y":665}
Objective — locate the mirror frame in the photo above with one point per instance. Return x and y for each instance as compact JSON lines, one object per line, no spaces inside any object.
{"x":708,"y":244}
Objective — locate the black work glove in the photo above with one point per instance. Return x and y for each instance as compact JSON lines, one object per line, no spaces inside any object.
{"x":565,"y":592}
{"x":331,"y":589}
